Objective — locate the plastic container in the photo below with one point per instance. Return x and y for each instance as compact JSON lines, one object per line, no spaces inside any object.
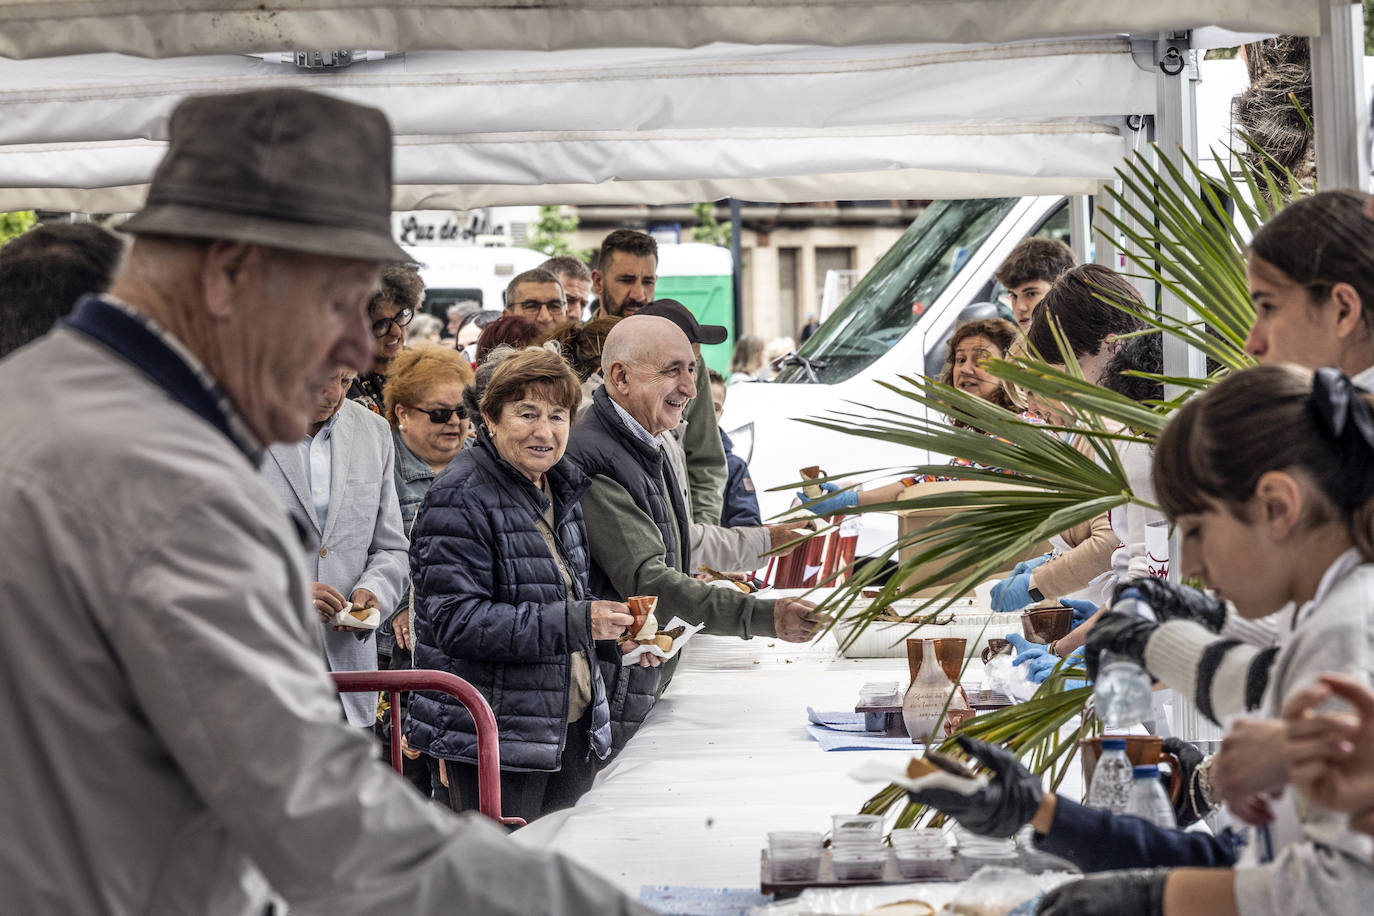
{"x":794,"y":855}
{"x":982,"y":849}
{"x":1148,"y":798}
{"x":858,"y":863}
{"x":922,"y":852}
{"x":867,"y":826}
{"x":1122,"y":694}
{"x":1110,"y":789}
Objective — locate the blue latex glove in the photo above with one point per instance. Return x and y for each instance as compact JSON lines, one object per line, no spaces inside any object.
{"x":1025,"y":649}
{"x":1026,"y":566}
{"x":1082,"y":610}
{"x":1012,"y":593}
{"x":846,"y":500}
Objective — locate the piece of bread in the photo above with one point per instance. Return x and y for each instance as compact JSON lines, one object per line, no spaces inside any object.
{"x":918,"y":767}
{"x":664,"y":642}
{"x":361,"y":613}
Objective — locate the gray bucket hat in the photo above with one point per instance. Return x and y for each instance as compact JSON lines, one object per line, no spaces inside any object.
{"x":279,"y":167}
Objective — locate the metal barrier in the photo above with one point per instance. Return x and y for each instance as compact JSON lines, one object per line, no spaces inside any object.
{"x":395,"y":683}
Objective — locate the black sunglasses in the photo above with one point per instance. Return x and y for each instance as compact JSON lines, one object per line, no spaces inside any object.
{"x":441,"y":415}
{"x":400,"y":319}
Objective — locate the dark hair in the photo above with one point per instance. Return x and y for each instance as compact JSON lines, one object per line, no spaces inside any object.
{"x":1219,"y":443}
{"x":510,"y":330}
{"x":44,"y":271}
{"x":565,"y":265}
{"x":1035,"y":258}
{"x":1074,"y":302}
{"x":401,"y":285}
{"x":534,"y":275}
{"x":1002,"y":334}
{"x":581,"y":344}
{"x":416,"y":370}
{"x":630,"y":241}
{"x":480,"y":318}
{"x":531,"y":372}
{"x":1320,"y":241}
{"x":1136,"y":354}
{"x":748,"y":349}
{"x":714,"y":378}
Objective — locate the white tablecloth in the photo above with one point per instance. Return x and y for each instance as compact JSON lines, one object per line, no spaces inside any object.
{"x":723,"y":759}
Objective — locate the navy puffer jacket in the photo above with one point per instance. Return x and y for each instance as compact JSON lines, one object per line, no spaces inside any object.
{"x":492,"y":608}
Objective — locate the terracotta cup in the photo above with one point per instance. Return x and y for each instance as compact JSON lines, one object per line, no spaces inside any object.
{"x":995,"y":646}
{"x":949,"y":650}
{"x":640,"y":606}
{"x":1046,"y":624}
{"x":812,"y":491}
{"x":1141,"y":750}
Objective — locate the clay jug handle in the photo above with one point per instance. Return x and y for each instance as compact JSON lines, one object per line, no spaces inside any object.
{"x":1175,"y":777}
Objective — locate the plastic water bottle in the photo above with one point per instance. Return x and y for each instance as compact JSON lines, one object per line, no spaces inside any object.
{"x":1122,"y":694}
{"x":1148,"y":799}
{"x":1110,"y":788}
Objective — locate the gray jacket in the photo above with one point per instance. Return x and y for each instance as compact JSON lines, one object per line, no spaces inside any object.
{"x":362,"y":544}
{"x":173,"y":740}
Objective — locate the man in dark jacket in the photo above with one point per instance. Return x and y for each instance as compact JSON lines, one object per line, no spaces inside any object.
{"x":636,"y":520}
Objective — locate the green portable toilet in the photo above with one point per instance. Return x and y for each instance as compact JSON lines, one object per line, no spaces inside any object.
{"x":701,"y":277}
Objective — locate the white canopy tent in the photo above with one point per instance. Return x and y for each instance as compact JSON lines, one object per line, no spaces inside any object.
{"x":163,"y":28}
{"x":781,"y":123}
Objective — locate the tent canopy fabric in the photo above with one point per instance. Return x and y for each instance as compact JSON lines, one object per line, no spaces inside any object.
{"x":165,"y":28}
{"x":651,"y":125}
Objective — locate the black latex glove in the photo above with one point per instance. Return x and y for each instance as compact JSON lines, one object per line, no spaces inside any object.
{"x":1188,"y":809}
{"x":1139,"y":892}
{"x":1124,"y":634}
{"x":1171,"y":601}
{"x":1000,"y":808}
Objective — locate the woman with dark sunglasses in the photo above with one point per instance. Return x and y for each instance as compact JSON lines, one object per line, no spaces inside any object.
{"x":391,"y":309}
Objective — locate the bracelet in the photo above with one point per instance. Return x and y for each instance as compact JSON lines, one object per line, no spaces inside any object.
{"x":909,"y":481}
{"x":1050,"y":648}
{"x":1201,"y":789}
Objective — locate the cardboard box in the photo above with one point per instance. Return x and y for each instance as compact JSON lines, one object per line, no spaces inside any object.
{"x":910,"y":521}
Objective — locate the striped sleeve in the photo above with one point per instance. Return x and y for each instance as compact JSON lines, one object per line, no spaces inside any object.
{"x":1221,"y":674}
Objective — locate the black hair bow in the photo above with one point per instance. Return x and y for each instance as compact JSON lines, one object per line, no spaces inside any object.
{"x":1345,"y":417}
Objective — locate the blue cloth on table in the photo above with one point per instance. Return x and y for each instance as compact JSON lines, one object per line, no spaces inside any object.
{"x":838,"y":721}
{"x":677,"y":900}
{"x":830,"y":740}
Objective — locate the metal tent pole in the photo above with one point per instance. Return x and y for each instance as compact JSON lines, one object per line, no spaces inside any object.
{"x":1341,"y":113}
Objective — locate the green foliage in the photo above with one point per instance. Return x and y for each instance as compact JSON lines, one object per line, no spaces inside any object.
{"x":708,"y":229}
{"x":550,"y":234}
{"x":1186,"y":243}
{"x":16,"y":223}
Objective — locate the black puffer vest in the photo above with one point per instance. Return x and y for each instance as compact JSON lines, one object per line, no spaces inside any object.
{"x":601,"y":445}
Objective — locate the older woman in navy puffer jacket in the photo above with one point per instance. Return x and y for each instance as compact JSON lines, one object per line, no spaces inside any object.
{"x":499,"y":560}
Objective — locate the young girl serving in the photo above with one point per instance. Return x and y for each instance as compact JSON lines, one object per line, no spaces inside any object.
{"x":1269,"y":478}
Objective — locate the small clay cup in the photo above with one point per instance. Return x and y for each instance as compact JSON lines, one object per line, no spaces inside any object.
{"x":641,"y":606}
{"x":1046,"y":624}
{"x":949,"y":650}
{"x":812,"y":491}
{"x":995,"y":646}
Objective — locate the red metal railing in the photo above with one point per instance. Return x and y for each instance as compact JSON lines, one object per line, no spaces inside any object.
{"x":488,"y":747}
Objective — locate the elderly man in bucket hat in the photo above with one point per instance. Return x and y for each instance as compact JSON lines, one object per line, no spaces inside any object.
{"x":173,"y":741}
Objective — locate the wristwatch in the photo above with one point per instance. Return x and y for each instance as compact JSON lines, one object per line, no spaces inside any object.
{"x":1035,"y":594}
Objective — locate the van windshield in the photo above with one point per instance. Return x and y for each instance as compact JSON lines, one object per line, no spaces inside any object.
{"x":892,"y":297}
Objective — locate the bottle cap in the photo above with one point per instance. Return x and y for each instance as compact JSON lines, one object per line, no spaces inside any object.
{"x":1113,"y":744}
{"x":1145,"y":772}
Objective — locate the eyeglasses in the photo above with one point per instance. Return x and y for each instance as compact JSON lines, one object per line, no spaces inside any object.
{"x":532,"y":307}
{"x":440,"y":415}
{"x":400,"y":319}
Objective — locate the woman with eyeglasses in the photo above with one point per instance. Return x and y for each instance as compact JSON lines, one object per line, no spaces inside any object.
{"x":423,"y":402}
{"x":391,"y":309}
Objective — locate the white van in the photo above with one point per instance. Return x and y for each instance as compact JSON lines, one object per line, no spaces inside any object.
{"x":894,"y":323}
{"x":456,"y":273}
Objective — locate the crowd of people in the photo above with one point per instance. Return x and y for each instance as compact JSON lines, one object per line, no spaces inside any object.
{"x":250,"y":459}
